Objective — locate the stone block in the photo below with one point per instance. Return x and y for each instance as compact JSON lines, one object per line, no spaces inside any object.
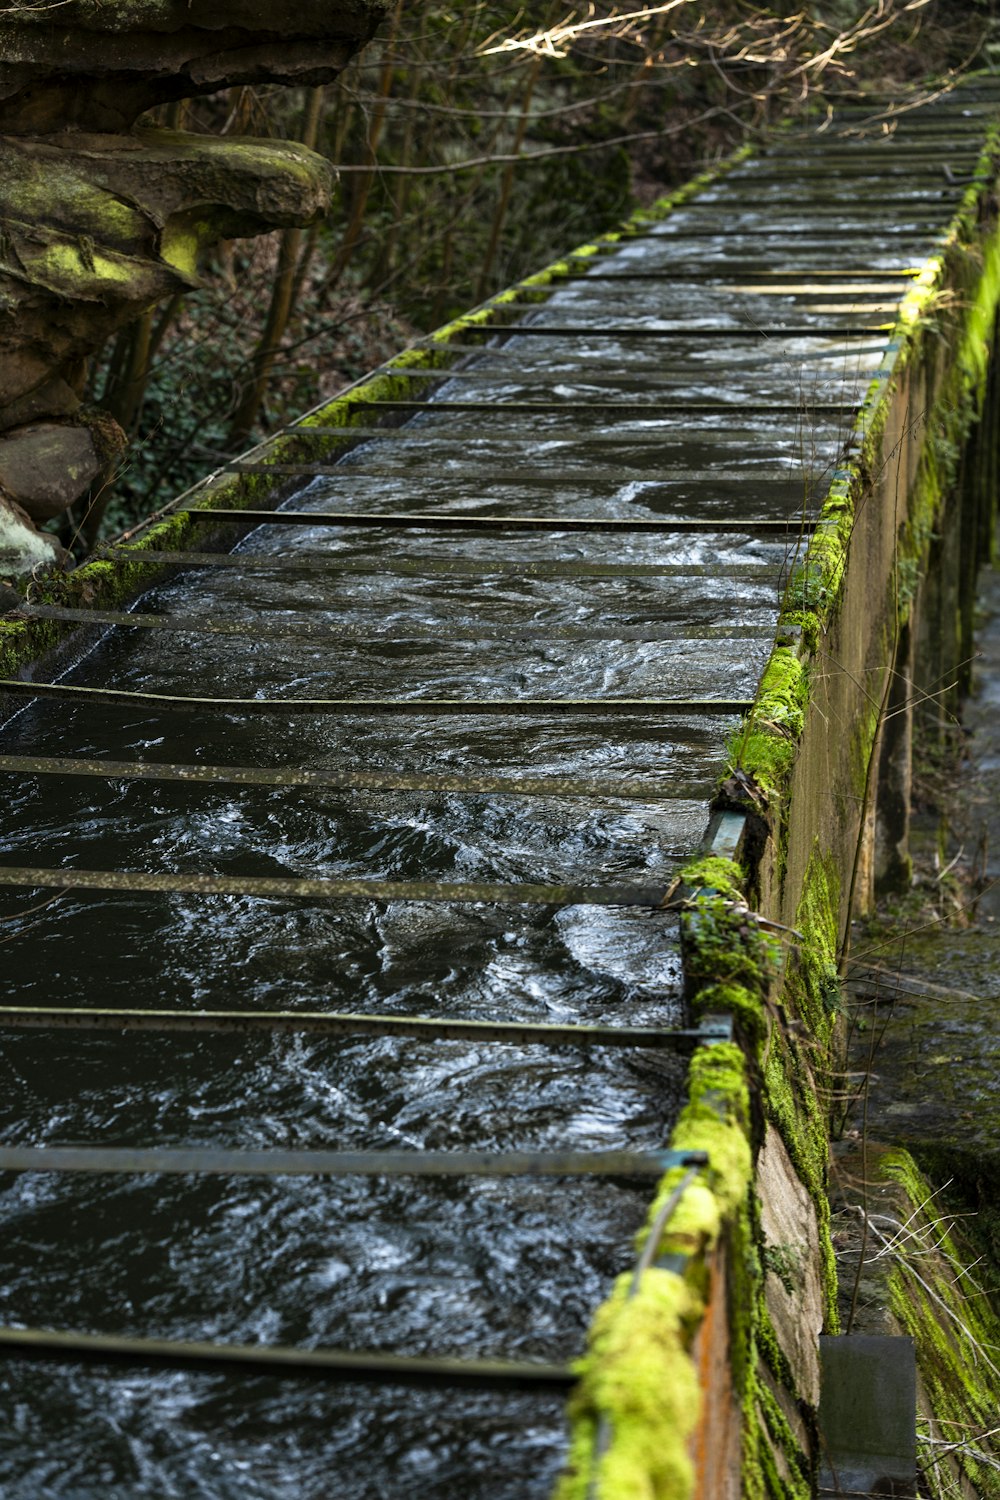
{"x":46,"y":466}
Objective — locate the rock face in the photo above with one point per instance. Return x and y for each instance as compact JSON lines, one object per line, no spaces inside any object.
{"x":99,"y":64}
{"x":100,"y":219}
{"x":46,"y":466}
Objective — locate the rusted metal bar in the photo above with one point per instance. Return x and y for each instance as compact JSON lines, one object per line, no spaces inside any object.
{"x":322,"y":1023}
{"x":639,"y":408}
{"x":743,"y":271}
{"x":417,"y":567}
{"x":380,"y":464}
{"x":917,"y":234}
{"x":299,"y":889}
{"x":787,"y":282}
{"x":740,"y":424}
{"x":473,"y":521}
{"x":632,"y":789}
{"x":215,"y":1162}
{"x":636,"y":331}
{"x":599,"y":707}
{"x":60,"y":1347}
{"x":878,"y":146}
{"x":827,"y":207}
{"x":488,"y":371}
{"x":304,"y":630}
{"x":932,"y":171}
{"x":502,"y":408}
{"x":595,"y":383}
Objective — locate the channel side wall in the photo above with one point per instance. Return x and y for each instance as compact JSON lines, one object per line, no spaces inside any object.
{"x":706,"y":1384}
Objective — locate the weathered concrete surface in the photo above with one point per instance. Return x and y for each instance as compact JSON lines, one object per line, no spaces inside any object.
{"x":868,"y":1416}
{"x":793,"y":1286}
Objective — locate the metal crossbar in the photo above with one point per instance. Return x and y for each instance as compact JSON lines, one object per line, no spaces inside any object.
{"x":368,"y":781}
{"x":893,"y":147}
{"x":919,"y":234}
{"x":932,"y":171}
{"x":322,"y":1023}
{"x":560,"y":465}
{"x":472,"y":521}
{"x":737,"y":407}
{"x":305,"y":631}
{"x":744,"y":271}
{"x":49,"y":1345}
{"x":428,"y":566}
{"x":827,"y":207}
{"x":436,"y":707}
{"x":646,"y":435}
{"x":553,"y":474}
{"x":365,"y":889}
{"x":511,"y":408}
{"x":210,"y":1161}
{"x":583,"y":330}
{"x":540,"y":408}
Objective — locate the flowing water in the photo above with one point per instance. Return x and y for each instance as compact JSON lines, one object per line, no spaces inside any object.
{"x":477,"y":1266}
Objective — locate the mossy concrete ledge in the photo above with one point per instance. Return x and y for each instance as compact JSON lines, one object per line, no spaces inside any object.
{"x":702,"y":1380}
{"x":878,"y":611}
{"x":877,"y":617}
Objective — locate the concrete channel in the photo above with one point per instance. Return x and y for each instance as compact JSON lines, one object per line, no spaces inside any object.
{"x":365,"y":863}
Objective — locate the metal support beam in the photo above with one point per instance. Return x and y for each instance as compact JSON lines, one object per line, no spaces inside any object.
{"x":916,"y":232}
{"x":738,"y":408}
{"x":472,"y":521}
{"x":209,"y":1161}
{"x":51,"y":1346}
{"x":419,"y":567}
{"x":306,"y":631}
{"x":640,"y":408}
{"x":322,"y":1023}
{"x":636,"y":331}
{"x":300,"y":889}
{"x":633,"y":789}
{"x":436,"y":707}
{"x":755,"y":270}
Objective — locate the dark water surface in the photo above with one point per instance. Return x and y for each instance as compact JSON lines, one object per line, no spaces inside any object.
{"x":507,"y":1268}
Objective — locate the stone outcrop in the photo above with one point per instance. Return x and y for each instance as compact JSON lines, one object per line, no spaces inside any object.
{"x":101,"y":218}
{"x":100,"y":64}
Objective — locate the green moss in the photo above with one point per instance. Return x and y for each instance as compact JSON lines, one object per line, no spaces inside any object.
{"x":763,"y":749}
{"x":725,"y":877}
{"x":638,"y":1377}
{"x":781,"y":1434}
{"x":742,"y":1002}
{"x":956,"y":1333}
{"x":728,"y":969}
{"x":815,"y":983}
{"x":647,"y":1452}
{"x":67,"y":263}
{"x":724,"y":945}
